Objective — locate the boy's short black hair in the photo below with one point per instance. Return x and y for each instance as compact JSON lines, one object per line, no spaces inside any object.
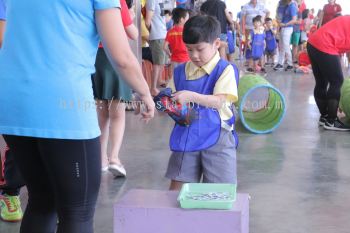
{"x":201,"y":28}
{"x":167,"y":12}
{"x":257,"y":18}
{"x":179,"y":13}
{"x":268,"y":19}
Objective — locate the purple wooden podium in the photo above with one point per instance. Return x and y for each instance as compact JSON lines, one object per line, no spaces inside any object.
{"x":152,"y":211}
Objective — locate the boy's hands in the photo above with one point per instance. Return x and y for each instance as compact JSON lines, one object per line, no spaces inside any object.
{"x":184,"y":97}
{"x":209,"y":101}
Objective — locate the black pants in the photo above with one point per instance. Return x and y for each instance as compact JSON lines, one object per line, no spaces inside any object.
{"x":62,"y":178}
{"x":329,"y":79}
{"x":13,"y":180}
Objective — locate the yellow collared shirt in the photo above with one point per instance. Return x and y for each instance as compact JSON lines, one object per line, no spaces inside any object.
{"x":226,"y":84}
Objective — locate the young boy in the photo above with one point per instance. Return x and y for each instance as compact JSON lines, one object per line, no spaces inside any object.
{"x":173,"y":45}
{"x":207,"y":147}
{"x":256,"y":46}
{"x":271,"y":43}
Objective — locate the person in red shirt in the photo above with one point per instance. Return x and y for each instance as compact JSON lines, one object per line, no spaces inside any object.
{"x":301,"y":6}
{"x":330,"y":10}
{"x":174,"y":45}
{"x":325,"y":47}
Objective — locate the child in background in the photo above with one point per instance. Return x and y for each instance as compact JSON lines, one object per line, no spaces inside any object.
{"x":304,"y":63}
{"x":305,"y":26}
{"x":256,"y":46}
{"x":231,"y":40}
{"x":174,"y":46}
{"x":168,"y":19}
{"x":207,"y":147}
{"x":271,"y":43}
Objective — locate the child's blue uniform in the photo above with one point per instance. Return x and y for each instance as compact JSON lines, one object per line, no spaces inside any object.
{"x":204,"y":131}
{"x":231,"y":41}
{"x":204,"y":147}
{"x":257,"y":45}
{"x":271,"y":43}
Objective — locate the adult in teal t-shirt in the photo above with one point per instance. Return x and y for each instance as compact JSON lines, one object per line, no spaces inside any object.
{"x":47,"y":112}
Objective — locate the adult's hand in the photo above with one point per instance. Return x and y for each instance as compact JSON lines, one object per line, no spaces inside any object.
{"x":116,"y":45}
{"x":146,"y":107}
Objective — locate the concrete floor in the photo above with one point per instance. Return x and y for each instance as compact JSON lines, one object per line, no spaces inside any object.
{"x":298,"y":177}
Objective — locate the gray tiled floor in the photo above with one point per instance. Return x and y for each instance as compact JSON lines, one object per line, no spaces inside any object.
{"x":298,"y":176}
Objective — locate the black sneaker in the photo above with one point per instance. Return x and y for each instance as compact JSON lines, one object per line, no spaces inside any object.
{"x":322,"y":120}
{"x":263,"y":70}
{"x":289,"y":68}
{"x":278,"y":67}
{"x":336,"y":125}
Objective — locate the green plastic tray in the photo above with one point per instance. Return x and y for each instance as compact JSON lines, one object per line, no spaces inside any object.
{"x":191,"y":191}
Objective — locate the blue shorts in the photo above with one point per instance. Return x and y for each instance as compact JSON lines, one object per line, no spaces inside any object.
{"x":216,"y":164}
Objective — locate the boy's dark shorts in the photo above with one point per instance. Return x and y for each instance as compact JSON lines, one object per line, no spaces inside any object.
{"x":217,"y":164}
{"x":270,"y":53}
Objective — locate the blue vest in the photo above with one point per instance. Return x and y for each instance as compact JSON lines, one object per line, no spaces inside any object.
{"x":204,"y":131}
{"x":257,"y":45}
{"x":231,"y":40}
{"x":271,"y":43}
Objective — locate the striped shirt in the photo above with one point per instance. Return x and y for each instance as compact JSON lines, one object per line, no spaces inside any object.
{"x":250,"y":12}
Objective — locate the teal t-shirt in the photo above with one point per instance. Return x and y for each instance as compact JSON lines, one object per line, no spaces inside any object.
{"x":46,"y":62}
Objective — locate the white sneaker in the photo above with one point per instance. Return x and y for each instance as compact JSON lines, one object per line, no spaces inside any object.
{"x":104,"y":169}
{"x":117,"y":170}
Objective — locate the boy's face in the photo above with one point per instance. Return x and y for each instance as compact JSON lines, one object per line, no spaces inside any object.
{"x":269,"y":24}
{"x":184,"y":20}
{"x":201,"y":53}
{"x":257,"y":24}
